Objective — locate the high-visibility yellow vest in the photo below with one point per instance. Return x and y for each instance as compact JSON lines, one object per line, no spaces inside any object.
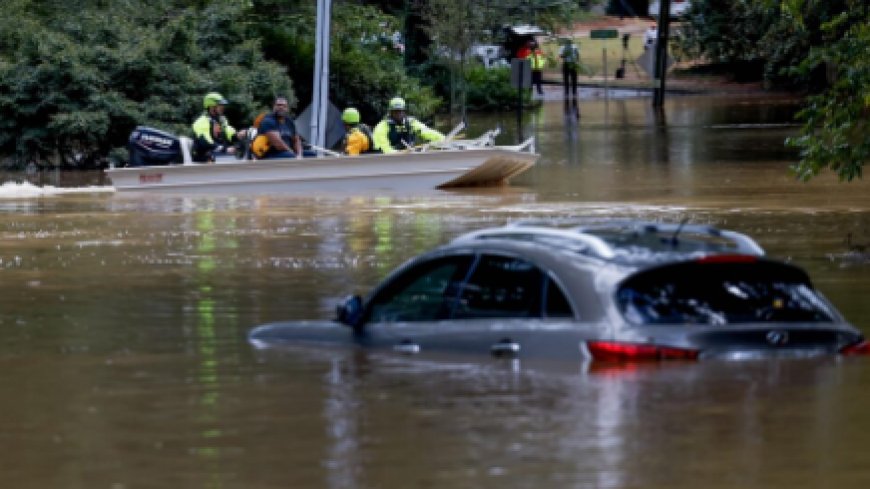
{"x":537,"y":59}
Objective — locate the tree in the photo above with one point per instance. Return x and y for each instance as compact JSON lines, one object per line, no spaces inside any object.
{"x":759,"y":38}
{"x":451,"y":24}
{"x":74,"y":82}
{"x":366,"y":67}
{"x":455,"y":26}
{"x":835,"y":131}
{"x":822,"y":47}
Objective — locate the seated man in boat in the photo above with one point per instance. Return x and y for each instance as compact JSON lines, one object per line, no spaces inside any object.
{"x":277,"y":137}
{"x":359,"y":137}
{"x":399,"y":131}
{"x":212,"y":133}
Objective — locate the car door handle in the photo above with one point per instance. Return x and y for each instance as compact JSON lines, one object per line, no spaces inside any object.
{"x":505,"y":348}
{"x":407,"y":346}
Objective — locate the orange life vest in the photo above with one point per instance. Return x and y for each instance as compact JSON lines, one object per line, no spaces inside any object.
{"x":261,"y":143}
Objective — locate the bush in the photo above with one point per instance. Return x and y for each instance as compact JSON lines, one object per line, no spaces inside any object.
{"x":487,"y":89}
{"x":490,"y":88}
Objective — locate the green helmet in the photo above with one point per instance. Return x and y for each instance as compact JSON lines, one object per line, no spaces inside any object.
{"x":213,"y":98}
{"x":397,"y":103}
{"x":350,"y":116}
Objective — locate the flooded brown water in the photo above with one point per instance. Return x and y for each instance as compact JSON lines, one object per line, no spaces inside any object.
{"x":124,"y":364}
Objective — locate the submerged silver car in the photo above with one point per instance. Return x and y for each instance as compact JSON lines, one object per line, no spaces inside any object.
{"x":618,"y":291}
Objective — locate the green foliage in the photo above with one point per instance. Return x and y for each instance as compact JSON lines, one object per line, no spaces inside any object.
{"x":368,"y":70}
{"x":490,"y":88}
{"x":365,"y":70}
{"x":553,"y":15}
{"x":74,"y":83}
{"x":820,"y":46}
{"x":836,"y":128}
{"x":769,"y":37}
{"x":76,"y":76}
{"x":455,"y":26}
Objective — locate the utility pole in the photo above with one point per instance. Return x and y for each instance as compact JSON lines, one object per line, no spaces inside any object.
{"x":661,"y":57}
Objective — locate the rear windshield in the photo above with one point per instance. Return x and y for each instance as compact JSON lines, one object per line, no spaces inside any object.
{"x":720,"y":294}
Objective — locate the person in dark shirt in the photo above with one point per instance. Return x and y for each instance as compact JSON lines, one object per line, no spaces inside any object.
{"x":280,"y":131}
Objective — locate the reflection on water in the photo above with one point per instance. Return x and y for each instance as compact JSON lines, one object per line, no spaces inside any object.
{"x":124,"y":316}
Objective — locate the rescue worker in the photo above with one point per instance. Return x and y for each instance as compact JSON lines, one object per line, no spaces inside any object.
{"x":399,"y":131}
{"x":570,"y":55}
{"x":359,"y":137}
{"x":212,"y":133}
{"x":538,"y":62}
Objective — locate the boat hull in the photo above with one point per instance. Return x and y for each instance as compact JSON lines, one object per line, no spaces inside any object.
{"x":364,"y":173}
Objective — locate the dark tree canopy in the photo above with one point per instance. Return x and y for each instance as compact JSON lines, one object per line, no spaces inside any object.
{"x":75,"y":81}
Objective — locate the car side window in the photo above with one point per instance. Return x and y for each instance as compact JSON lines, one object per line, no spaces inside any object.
{"x":557,"y":305}
{"x":507,"y":287}
{"x":421,"y":293}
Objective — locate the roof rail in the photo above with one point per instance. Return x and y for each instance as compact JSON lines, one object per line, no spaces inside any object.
{"x":587,"y":243}
{"x":741,"y":243}
{"x":619,"y":240}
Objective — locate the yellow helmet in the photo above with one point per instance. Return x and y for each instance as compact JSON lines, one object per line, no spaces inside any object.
{"x":397,"y":103}
{"x":350,"y":116}
{"x":213,"y":98}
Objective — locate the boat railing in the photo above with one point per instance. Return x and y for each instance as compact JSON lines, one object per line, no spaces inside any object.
{"x":186,"y":145}
{"x":437,"y":144}
{"x":526,"y":146}
{"x":324,"y":151}
{"x":485,"y":140}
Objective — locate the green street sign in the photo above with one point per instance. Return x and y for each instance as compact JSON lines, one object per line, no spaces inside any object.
{"x":604,"y":34}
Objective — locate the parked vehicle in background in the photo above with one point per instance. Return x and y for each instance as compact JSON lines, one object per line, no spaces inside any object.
{"x":490,"y":55}
{"x":500,"y":48}
{"x":517,"y":36}
{"x":678,"y":8}
{"x":616,"y":291}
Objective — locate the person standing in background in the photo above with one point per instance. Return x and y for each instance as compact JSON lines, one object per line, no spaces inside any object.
{"x":570,"y":55}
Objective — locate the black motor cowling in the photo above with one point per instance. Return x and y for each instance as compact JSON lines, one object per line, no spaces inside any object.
{"x":153,"y":147}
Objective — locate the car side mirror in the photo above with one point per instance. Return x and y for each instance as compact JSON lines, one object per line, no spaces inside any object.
{"x":350,"y":311}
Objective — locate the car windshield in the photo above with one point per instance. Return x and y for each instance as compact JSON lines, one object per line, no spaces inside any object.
{"x":721,"y":294}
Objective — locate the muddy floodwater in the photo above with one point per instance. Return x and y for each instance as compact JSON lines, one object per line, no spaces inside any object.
{"x":123,"y":317}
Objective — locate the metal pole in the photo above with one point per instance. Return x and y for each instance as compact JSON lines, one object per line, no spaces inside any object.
{"x":661,"y":53}
{"x":520,"y":89}
{"x":320,"y":96}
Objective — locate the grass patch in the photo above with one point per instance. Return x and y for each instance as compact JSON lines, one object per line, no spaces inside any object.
{"x":592,"y":53}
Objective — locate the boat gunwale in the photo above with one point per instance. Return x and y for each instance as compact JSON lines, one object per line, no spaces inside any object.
{"x":395,"y":165}
{"x":290,"y":162}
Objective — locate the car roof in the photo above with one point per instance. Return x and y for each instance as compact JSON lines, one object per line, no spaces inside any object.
{"x":631,"y":243}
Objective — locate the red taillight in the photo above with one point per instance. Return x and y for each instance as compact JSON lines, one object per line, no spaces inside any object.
{"x":727,"y":259}
{"x":615,"y":351}
{"x":859,"y":348}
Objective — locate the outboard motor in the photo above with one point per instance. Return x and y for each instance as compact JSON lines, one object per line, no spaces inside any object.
{"x":153,"y":147}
